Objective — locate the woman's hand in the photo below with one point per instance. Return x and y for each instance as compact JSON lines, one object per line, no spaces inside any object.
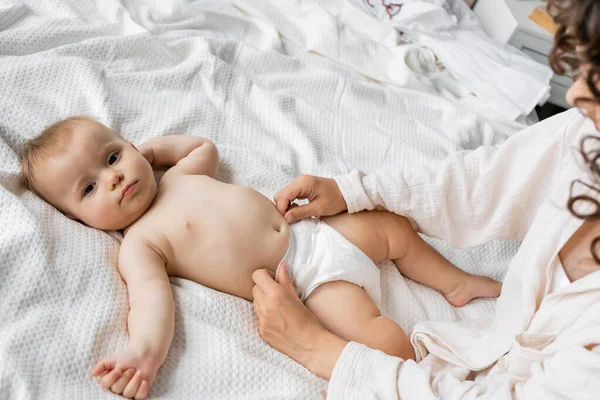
{"x":323,"y":194}
{"x":291,"y":328}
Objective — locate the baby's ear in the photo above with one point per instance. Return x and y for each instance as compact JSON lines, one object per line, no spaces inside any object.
{"x":133,"y":145}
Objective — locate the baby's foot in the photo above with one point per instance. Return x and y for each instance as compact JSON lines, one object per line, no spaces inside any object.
{"x":471,"y":287}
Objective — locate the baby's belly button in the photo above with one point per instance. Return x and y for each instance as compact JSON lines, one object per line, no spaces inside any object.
{"x":281,"y":226}
{"x":278,"y":246}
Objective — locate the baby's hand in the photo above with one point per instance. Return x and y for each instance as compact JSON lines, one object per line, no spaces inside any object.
{"x":127,"y":372}
{"x":146,"y":150}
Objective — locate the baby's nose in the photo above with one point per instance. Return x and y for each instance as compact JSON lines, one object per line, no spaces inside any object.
{"x":114,"y":179}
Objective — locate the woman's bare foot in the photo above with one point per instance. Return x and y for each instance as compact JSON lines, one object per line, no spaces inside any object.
{"x":473,"y":286}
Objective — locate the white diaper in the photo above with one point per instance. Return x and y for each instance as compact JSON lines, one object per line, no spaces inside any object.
{"x":319,"y":254}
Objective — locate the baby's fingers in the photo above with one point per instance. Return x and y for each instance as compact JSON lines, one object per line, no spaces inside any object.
{"x":133,"y":385}
{"x":98,"y":370}
{"x":107,"y":364}
{"x":142,"y":391}
{"x":124,"y":365}
{"x":109,"y":379}
{"x":122,"y":382}
{"x":103,"y":366}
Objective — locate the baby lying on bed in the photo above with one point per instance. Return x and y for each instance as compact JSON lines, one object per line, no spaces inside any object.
{"x":192,"y":226}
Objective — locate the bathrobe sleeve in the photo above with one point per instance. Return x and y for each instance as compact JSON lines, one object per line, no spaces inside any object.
{"x":472,"y":196}
{"x":570,"y":374}
{"x":365,"y":374}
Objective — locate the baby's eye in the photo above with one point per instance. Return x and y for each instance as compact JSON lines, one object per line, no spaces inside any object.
{"x":88,"y":189}
{"x":113,"y":158}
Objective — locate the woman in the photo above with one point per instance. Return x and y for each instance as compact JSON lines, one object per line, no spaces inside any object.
{"x":544,"y":341}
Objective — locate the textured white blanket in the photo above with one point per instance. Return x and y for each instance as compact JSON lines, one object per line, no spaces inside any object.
{"x":274,"y":110}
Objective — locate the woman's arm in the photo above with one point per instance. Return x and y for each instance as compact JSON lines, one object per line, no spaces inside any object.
{"x":363,"y":373}
{"x":468,"y":199}
{"x":472,"y":196}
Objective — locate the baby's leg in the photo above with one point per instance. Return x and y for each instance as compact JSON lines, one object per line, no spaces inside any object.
{"x":346,"y":310}
{"x":383,"y":235}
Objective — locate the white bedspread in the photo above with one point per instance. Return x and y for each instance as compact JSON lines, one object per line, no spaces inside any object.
{"x":273,"y":109}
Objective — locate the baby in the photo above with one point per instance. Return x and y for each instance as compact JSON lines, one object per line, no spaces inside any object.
{"x":195,"y":227}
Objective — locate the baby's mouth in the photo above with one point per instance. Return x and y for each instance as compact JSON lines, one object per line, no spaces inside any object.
{"x":128,"y":190}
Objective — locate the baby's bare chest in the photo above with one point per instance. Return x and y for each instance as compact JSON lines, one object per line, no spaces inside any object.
{"x":204,"y":223}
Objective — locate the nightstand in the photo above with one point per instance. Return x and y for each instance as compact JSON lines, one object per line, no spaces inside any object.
{"x":508,"y":22}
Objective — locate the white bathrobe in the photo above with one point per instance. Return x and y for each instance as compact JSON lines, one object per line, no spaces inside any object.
{"x":543,"y":342}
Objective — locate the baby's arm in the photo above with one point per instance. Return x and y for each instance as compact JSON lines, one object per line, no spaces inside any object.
{"x":151,"y":321}
{"x":190,"y":155}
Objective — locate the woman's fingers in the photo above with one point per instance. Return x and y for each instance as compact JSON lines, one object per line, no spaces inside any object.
{"x":297,"y":189}
{"x":264,"y":280}
{"x":284,"y":278}
{"x":283,"y":321}
{"x":268,"y":287}
{"x":311,"y":209}
{"x":273,"y":274}
{"x":323,"y":194}
{"x":258,"y":302}
{"x":257,"y":293}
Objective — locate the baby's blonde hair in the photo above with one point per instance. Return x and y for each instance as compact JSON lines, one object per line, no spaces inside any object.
{"x":46,"y":144}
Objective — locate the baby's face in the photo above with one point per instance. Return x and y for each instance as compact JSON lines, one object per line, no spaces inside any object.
{"x":99,"y":179}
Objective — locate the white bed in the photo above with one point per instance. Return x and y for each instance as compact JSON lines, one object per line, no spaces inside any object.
{"x":254,"y":83}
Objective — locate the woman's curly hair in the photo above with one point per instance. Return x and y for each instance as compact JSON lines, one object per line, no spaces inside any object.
{"x":577,"y":44}
{"x":577,"y":39}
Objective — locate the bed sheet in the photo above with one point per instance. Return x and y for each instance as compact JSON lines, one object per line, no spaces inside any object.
{"x":275,"y":110}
